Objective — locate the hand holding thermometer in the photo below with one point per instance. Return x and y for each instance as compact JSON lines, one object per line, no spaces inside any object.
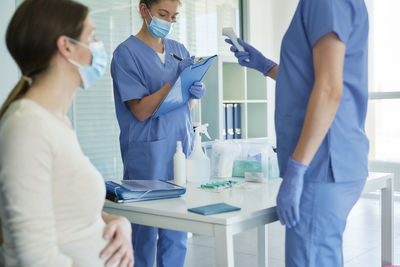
{"x":230,"y":33}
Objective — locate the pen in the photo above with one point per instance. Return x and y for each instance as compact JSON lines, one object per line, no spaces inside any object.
{"x":175,"y":56}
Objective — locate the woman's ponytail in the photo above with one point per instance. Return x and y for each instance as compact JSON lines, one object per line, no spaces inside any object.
{"x":20,"y":88}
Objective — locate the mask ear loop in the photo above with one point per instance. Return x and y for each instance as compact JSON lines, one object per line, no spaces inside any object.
{"x":148,"y":11}
{"x":76,"y":64}
{"x":78,"y":43}
{"x":73,"y":62}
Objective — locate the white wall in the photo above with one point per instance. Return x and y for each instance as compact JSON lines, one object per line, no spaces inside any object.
{"x":8,"y":68}
{"x":267,"y":22}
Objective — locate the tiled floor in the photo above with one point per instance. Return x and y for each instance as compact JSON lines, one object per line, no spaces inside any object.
{"x":361,"y":241}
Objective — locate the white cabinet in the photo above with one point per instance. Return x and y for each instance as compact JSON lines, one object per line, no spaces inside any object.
{"x":229,"y":83}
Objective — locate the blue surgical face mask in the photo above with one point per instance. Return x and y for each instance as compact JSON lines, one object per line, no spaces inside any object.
{"x":91,"y":73}
{"x":159,"y":28}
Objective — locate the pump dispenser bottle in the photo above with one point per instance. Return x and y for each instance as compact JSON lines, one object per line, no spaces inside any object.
{"x":198,"y":164}
{"x":179,"y":165}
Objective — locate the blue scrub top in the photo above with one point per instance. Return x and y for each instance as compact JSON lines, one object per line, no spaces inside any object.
{"x":148,"y":147}
{"x":344,"y":151}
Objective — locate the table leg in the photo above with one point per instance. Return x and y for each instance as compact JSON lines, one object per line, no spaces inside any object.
{"x":224,"y":246}
{"x":387,"y":242}
{"x":262,"y":248}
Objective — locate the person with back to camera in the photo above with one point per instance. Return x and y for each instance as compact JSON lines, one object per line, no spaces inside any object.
{"x":321,"y":106}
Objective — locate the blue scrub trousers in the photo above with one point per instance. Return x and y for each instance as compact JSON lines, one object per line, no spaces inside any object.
{"x":317,"y":240}
{"x":171,"y":246}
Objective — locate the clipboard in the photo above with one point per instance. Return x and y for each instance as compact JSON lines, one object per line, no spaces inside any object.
{"x":179,"y":94}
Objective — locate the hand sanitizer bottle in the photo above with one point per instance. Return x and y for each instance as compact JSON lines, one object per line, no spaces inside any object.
{"x":179,"y":166}
{"x":198,"y":164}
{"x":273,"y":164}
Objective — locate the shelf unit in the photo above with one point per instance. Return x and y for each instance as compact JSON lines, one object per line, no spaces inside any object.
{"x":229,"y":83}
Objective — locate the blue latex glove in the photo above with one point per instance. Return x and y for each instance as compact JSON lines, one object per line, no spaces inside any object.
{"x":257,"y":59}
{"x":181,"y":66}
{"x":288,"y":200}
{"x":184,"y":63}
{"x":197,"y":90}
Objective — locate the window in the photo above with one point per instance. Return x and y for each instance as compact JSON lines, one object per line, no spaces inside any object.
{"x":382,"y":125}
{"x":92,"y":113}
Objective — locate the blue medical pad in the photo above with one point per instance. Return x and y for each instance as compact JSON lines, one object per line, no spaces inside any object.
{"x":223,"y":184}
{"x":179,"y":94}
{"x":140,"y":190}
{"x":214,"y":209}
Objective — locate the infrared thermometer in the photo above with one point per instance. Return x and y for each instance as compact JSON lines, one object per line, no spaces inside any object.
{"x":230,"y":33}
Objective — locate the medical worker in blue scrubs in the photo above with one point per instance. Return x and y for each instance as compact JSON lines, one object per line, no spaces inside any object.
{"x":321,"y":104}
{"x":143,"y":71}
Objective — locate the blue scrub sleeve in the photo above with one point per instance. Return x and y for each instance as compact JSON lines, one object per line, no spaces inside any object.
{"x":127,"y":75}
{"x":321,"y":17}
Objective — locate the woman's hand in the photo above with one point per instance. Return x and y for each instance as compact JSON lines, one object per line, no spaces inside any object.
{"x":119,"y":231}
{"x":197,"y":90}
{"x":185,"y":63}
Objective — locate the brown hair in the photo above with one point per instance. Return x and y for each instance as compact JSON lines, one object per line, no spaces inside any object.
{"x":32,"y":37}
{"x":149,"y":3}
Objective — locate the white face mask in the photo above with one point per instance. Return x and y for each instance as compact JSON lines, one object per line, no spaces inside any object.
{"x":91,"y":73}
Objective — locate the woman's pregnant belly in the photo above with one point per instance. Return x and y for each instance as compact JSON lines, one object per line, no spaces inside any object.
{"x":86,"y":250}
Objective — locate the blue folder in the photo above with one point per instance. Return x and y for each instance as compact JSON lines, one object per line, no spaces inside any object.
{"x":179,"y":94}
{"x":230,"y":131}
{"x":122,"y":191}
{"x":224,"y":123}
{"x":237,"y":121}
{"x":214,"y":209}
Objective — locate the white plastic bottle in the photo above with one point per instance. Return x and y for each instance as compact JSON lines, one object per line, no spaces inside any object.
{"x":179,"y":165}
{"x":198,"y":164}
{"x":273,"y":164}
